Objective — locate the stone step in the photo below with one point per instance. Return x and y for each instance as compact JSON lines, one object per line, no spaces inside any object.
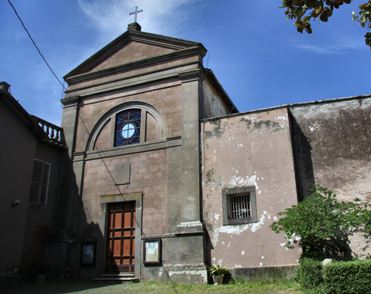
{"x":122,"y":277}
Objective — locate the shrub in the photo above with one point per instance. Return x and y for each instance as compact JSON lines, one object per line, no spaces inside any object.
{"x":347,"y":277}
{"x":309,"y":273}
{"x":219,"y":274}
{"x":321,"y":225}
{"x":218,"y":270}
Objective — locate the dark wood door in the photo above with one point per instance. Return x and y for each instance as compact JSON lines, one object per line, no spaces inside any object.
{"x":121,"y":237}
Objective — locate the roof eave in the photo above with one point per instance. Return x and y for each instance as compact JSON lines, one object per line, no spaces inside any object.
{"x":227,"y":99}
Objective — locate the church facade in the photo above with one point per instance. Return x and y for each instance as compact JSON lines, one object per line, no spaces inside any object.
{"x":174,"y":178}
{"x":165,"y":176}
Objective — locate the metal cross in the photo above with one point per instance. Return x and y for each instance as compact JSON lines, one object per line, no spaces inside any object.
{"x":135,"y":13}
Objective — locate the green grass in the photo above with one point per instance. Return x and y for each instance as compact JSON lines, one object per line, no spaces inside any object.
{"x":276,"y":287}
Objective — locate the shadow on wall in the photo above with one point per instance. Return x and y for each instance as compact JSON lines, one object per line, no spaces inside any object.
{"x":208,"y":248}
{"x":69,"y":230}
{"x":302,"y":159}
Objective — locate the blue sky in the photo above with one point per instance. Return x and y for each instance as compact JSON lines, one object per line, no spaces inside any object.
{"x":255,"y":52}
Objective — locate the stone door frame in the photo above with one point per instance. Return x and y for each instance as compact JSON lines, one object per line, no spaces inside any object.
{"x":127,"y":197}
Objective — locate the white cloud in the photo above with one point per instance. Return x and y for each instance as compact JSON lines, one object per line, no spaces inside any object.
{"x":341,"y":45}
{"x":318,"y":49}
{"x":111,"y":17}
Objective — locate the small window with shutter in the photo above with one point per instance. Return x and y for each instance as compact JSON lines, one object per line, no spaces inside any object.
{"x":40,"y":182}
{"x":239,"y":205}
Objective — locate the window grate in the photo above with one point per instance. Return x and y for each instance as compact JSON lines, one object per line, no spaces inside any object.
{"x":239,"y":207}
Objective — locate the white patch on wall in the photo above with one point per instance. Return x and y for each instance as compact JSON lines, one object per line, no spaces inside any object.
{"x":238,"y":181}
{"x":262,"y":257}
{"x":243,"y":252}
{"x":216,"y":216}
{"x":260,"y":263}
{"x":280,"y":117}
{"x":233,"y":230}
{"x":214,"y":258}
{"x":220,"y":261}
{"x":238,"y":229}
{"x":256,"y":226}
{"x":229,"y":244}
{"x":160,"y":272}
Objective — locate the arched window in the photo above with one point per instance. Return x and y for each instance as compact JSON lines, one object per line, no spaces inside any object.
{"x":127,"y":127}
{"x":127,"y":124}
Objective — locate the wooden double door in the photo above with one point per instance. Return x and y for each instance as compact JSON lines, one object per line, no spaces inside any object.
{"x":120,"y":255}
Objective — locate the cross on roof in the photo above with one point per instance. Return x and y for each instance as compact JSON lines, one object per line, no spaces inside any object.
{"x":135,"y":13}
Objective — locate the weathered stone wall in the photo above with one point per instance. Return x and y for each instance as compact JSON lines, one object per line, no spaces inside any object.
{"x":213,"y":103}
{"x":332,"y":144}
{"x":248,"y":150}
{"x":338,"y":135}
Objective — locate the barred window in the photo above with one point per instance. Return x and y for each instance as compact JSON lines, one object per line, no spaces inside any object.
{"x":239,"y":205}
{"x":40,"y":182}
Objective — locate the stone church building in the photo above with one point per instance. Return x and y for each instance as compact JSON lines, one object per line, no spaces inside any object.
{"x":162,"y":175}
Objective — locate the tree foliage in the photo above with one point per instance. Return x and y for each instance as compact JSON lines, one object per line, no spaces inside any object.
{"x":322,"y":225}
{"x":305,"y":11}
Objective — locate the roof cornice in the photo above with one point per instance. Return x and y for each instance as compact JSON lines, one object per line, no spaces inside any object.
{"x":135,"y":65}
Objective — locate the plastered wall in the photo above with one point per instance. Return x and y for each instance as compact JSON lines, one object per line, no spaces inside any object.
{"x":248,"y":150}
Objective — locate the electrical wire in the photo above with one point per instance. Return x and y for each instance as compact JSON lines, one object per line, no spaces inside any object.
{"x":35,"y":45}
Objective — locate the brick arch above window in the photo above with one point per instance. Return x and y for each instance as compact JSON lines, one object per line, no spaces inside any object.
{"x":127,"y":124}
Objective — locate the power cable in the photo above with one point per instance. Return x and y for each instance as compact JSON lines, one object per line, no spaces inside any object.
{"x":35,"y":45}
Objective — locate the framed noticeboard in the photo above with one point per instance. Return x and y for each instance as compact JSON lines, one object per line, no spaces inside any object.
{"x":87,"y":257}
{"x":152,"y":252}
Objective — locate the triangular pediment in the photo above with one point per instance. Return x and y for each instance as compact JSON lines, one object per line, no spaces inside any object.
{"x":130,"y":47}
{"x":133,"y":51}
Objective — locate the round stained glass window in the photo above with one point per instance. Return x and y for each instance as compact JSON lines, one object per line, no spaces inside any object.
{"x":128,"y":131}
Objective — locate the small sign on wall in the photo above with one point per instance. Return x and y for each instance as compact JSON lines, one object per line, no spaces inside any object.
{"x":152,"y":252}
{"x":87,"y":254}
